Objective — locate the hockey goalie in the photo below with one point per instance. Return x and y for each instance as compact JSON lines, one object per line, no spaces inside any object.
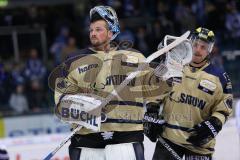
{"x":103,"y":90}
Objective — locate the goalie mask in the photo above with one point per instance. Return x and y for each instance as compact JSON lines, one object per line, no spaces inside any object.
{"x":110,"y":16}
{"x":204,"y":35}
{"x":172,"y":62}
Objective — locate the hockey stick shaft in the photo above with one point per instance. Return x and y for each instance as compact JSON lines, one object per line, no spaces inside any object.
{"x":50,"y":155}
{"x":167,"y":146}
{"x":126,"y":81}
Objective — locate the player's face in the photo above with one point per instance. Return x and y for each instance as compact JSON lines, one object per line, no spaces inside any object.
{"x":99,"y":34}
{"x":200,"y":51}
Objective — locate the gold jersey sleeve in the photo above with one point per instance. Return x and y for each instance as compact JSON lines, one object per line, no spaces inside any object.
{"x":101,"y":73}
{"x":203,"y":93}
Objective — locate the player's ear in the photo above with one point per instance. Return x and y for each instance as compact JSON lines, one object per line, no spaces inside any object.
{"x":110,"y":34}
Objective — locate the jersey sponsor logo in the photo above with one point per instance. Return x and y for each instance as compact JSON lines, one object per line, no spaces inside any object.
{"x":129,"y":61}
{"x":118,"y":79}
{"x":207,"y":86}
{"x":87,"y":68}
{"x":76,"y":114}
{"x":191,"y":100}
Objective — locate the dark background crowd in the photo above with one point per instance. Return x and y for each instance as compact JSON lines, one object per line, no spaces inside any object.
{"x":37,"y":35}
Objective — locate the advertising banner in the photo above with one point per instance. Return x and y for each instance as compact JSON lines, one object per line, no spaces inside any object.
{"x":31,"y":125}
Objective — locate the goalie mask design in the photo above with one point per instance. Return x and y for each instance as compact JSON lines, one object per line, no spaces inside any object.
{"x":204,"y":35}
{"x":110,"y":16}
{"x":171,"y":63}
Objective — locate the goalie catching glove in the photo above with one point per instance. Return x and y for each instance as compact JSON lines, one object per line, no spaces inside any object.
{"x":205,"y":131}
{"x":152,"y":121}
{"x":171,"y":63}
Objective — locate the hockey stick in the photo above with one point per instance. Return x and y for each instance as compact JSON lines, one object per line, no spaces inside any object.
{"x":50,"y":155}
{"x":125,"y":82}
{"x":166,"y":145}
{"x":160,"y":139}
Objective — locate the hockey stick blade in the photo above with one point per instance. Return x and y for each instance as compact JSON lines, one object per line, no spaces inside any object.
{"x":125,"y":82}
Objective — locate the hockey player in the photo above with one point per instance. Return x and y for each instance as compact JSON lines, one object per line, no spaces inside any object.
{"x":121,"y":132}
{"x":196,"y":109}
{"x":3,"y":153}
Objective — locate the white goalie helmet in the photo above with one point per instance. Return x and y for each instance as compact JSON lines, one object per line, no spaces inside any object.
{"x":110,"y":16}
{"x":172,"y":62}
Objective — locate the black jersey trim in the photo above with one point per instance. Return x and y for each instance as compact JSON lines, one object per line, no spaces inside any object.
{"x":111,"y":120}
{"x":128,"y":103}
{"x":177,"y":127}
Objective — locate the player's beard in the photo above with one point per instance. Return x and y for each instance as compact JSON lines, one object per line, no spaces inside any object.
{"x":100,"y":45}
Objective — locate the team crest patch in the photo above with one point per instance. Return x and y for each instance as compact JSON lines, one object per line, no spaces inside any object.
{"x":207,"y":86}
{"x":228,"y":103}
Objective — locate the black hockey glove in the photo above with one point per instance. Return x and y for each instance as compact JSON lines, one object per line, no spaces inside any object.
{"x":205,"y":131}
{"x":152,"y":121}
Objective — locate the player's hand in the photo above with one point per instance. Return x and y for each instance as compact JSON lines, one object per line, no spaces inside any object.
{"x":205,"y":131}
{"x":152,"y":122}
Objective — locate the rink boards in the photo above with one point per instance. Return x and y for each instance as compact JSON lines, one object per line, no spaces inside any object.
{"x":36,"y":147}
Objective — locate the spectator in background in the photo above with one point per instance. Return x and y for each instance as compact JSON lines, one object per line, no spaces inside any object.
{"x":18,"y":101}
{"x":59,"y":43}
{"x":36,"y":96}
{"x":216,"y":58}
{"x":17,"y":74}
{"x":184,"y":17}
{"x":70,"y":49}
{"x":3,"y":84}
{"x":233,"y":24}
{"x":160,"y":28}
{"x":128,"y":8}
{"x":33,"y":17}
{"x":126,"y":34}
{"x":198,"y":8}
{"x":8,"y":19}
{"x":34,"y":69}
{"x":142,"y":41}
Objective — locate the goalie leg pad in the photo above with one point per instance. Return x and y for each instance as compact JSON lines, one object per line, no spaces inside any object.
{"x":92,"y":154}
{"x":124,"y":151}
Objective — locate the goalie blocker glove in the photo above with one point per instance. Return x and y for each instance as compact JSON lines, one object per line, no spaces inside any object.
{"x":205,"y":131}
{"x":153,"y":122}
